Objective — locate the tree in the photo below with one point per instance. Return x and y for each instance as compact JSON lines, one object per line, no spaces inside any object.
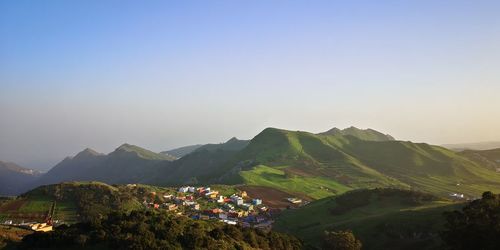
{"x":477,"y":226}
{"x":341,"y":240}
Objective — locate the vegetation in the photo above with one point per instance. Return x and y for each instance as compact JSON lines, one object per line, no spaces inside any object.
{"x":90,"y":200}
{"x":147,"y":230}
{"x":341,"y":240}
{"x":391,"y":219}
{"x":477,"y":226}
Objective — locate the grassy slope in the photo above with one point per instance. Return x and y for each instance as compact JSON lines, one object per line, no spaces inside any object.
{"x":314,"y":187}
{"x":384,"y":223}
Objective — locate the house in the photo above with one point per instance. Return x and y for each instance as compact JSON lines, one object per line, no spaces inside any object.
{"x":256,"y":202}
{"x":247,"y":206}
{"x":183,"y":189}
{"x":229,"y":206}
{"x":220,"y":199}
{"x":260,"y":219}
{"x":40,"y":227}
{"x":189,"y":203}
{"x":223,"y":216}
{"x":168,"y":196}
{"x":191,"y":189}
{"x":170,"y":206}
{"x":243,"y":194}
{"x":229,"y":222}
{"x":195,"y":206}
{"x":156,"y":206}
{"x":212,"y":194}
{"x":235,"y":214}
{"x":236,"y":200}
{"x":294,"y":200}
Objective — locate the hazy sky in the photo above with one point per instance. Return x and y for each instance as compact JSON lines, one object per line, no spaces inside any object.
{"x":161,"y":74}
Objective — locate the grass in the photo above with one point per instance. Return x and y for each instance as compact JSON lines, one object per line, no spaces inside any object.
{"x":314,"y":187}
{"x":385,"y":223}
{"x":37,"y":204}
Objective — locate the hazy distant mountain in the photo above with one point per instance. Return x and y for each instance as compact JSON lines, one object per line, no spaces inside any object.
{"x":128,"y":163}
{"x":363,"y":134}
{"x":182,"y":151}
{"x":473,"y":146}
{"x":233,"y":144}
{"x":15,"y":179}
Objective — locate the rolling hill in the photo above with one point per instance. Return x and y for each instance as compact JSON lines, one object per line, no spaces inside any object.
{"x":15,"y":179}
{"x":380,"y":218}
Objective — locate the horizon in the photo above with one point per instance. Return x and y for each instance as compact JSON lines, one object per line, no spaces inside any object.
{"x":162,"y":75}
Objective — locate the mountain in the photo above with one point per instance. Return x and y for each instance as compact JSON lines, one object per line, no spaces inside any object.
{"x":203,"y":165}
{"x":473,"y":146}
{"x":128,"y":163}
{"x":15,"y":179}
{"x":232,"y":144}
{"x":182,"y":151}
{"x":362,"y":134}
{"x":321,"y":165}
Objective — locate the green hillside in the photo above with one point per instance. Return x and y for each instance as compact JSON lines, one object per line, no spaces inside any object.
{"x":381,"y":218}
{"x":333,"y":163}
{"x":488,"y":158}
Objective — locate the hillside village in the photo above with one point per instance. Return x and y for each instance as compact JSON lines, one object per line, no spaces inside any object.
{"x":205,"y":203}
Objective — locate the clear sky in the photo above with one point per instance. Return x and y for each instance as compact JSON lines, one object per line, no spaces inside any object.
{"x":161,"y":74}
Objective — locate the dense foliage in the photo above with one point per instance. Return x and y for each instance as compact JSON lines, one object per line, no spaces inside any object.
{"x":148,"y":230}
{"x":363,"y":197}
{"x":477,"y":226}
{"x":341,"y":240}
{"x":93,"y":200}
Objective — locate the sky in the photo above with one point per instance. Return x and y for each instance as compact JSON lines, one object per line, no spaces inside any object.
{"x":163,"y":74}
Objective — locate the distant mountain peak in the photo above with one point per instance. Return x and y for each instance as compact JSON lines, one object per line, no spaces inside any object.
{"x":87,"y":152}
{"x":363,"y":134}
{"x":141,"y":152}
{"x":233,"y":139}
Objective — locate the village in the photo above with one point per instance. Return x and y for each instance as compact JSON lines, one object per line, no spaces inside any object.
{"x":205,"y":203}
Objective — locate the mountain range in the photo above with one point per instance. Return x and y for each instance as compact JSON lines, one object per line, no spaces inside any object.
{"x":14,"y":179}
{"x":296,"y":162}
